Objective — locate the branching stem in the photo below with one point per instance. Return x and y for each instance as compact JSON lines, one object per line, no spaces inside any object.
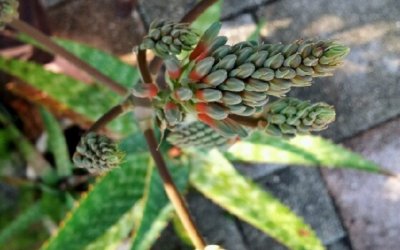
{"x":54,"y":48}
{"x":110,"y":115}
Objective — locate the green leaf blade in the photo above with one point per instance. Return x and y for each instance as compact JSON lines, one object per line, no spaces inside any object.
{"x":125,"y":74}
{"x":302,"y":150}
{"x":91,"y":101}
{"x":157,"y":208}
{"x":216,"y":178}
{"x":111,"y":197}
{"x":208,"y":17}
{"x":57,"y":144}
{"x":23,"y":221}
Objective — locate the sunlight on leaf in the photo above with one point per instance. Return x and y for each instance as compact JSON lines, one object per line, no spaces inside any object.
{"x":210,"y":16}
{"x":217,"y":179}
{"x":302,"y":150}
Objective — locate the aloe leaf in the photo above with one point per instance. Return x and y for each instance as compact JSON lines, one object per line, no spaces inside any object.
{"x":218,"y":180}
{"x":21,"y":223}
{"x":92,"y":101}
{"x":304,"y":150}
{"x":208,"y":17}
{"x":111,"y":197}
{"x":117,"y":233}
{"x":57,"y":144}
{"x":111,"y":66}
{"x":125,"y":74}
{"x":157,"y":209}
{"x":40,"y":166}
{"x":256,"y":35}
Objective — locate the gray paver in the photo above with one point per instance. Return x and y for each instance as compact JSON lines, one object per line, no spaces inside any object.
{"x":370,"y":203}
{"x":304,"y":192}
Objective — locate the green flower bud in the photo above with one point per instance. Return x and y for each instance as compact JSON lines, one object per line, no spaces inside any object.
{"x":202,"y":68}
{"x":208,"y":95}
{"x":274,"y":62}
{"x":216,"y":78}
{"x":227,"y":63}
{"x":232,"y":84}
{"x":221,"y":52}
{"x":310,"y":61}
{"x":243,"y":55}
{"x":243,"y":71}
{"x":264,"y":74}
{"x":230,"y":98}
{"x":290,"y":49}
{"x":285,"y":73}
{"x":172,"y":113}
{"x":183,"y":94}
{"x":213,"y":110}
{"x":257,"y":85}
{"x":292,"y":61}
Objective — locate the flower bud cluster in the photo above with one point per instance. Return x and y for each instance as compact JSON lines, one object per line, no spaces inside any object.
{"x":97,"y":153}
{"x":291,"y":116}
{"x":167,"y":38}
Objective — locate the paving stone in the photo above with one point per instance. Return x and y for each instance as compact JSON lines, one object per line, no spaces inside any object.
{"x":217,"y":226}
{"x":164,"y":10}
{"x":99,"y":24}
{"x":341,"y":244}
{"x":369,"y":203}
{"x":233,"y":8}
{"x":365,"y":91}
{"x":238,"y":29}
{"x":304,"y":192}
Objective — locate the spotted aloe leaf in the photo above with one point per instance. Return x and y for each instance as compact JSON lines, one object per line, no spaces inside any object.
{"x":157,"y":208}
{"x":303,"y":150}
{"x":217,"y":179}
{"x":110,"y":198}
{"x":90,"y":101}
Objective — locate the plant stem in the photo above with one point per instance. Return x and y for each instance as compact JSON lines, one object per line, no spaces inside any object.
{"x":173,"y":193}
{"x":54,"y":48}
{"x":110,"y":115}
{"x":169,"y":185}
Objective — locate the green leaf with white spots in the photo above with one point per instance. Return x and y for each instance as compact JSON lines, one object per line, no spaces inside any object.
{"x":218,"y":180}
{"x":21,"y":223}
{"x":157,"y":208}
{"x":305,"y":150}
{"x":111,"y":197}
{"x":91,"y":101}
{"x":125,"y":74}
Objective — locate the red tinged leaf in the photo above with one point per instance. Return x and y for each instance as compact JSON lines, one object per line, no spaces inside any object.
{"x":199,"y":50}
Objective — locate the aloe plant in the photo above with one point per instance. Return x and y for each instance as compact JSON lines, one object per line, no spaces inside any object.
{"x":219,"y":103}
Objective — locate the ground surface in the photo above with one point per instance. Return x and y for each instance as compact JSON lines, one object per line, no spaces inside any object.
{"x":349,"y":210}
